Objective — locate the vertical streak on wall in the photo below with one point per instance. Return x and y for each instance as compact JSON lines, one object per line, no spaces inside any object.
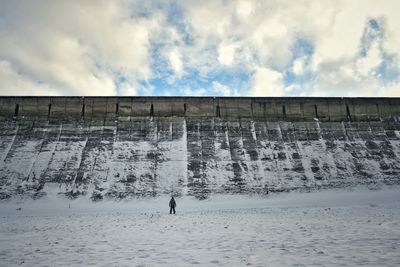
{"x":184,"y":142}
{"x":42,"y":140}
{"x":258,"y":168}
{"x":156,"y":158}
{"x":49,"y":112}
{"x":11,"y":144}
{"x":44,"y":177}
{"x":78,"y":178}
{"x":202,"y":163}
{"x":16,"y":110}
{"x":110,"y":157}
{"x":283,"y":142}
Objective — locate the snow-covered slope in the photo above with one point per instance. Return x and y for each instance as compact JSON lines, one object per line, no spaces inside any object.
{"x":149,"y":156}
{"x":329,"y":228}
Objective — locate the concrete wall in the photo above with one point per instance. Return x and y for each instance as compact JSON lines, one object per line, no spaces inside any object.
{"x":108,"y":109}
{"x":143,"y":146}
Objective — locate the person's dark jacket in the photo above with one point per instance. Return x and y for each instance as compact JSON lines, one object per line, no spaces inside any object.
{"x":172,"y":203}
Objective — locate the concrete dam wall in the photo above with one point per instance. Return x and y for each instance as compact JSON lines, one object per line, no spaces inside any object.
{"x":126,"y":147}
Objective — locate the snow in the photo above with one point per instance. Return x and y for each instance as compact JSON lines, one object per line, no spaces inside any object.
{"x":194,"y":157}
{"x":330,"y":228}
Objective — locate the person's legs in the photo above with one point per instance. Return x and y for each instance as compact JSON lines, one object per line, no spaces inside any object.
{"x":173,"y":209}
{"x":170,"y":210}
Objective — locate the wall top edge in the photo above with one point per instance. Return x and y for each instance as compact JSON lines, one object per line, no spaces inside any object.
{"x":203,"y":97}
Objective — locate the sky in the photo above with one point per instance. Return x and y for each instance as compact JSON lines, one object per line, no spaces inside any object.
{"x":200,"y":48}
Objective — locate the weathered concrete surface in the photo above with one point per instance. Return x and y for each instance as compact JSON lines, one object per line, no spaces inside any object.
{"x":145,"y":146}
{"x":274,"y":109}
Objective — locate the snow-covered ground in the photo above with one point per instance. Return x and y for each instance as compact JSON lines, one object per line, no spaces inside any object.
{"x":329,"y":228}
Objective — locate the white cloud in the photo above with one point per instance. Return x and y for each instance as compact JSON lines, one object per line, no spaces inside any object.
{"x":13,"y":83}
{"x":372,"y":60}
{"x":341,"y":38}
{"x":298,"y":66}
{"x":267,"y":82}
{"x":347,"y":80}
{"x":187,"y":91}
{"x":392,"y":89}
{"x":175,"y":61}
{"x":341,"y":41}
{"x":357,"y":75}
{"x":226,"y":53}
{"x":83,"y":47}
{"x":76,"y":47}
{"x":264,"y":33}
{"x":244,"y":9}
{"x":221,"y":89}
{"x":127,"y":89}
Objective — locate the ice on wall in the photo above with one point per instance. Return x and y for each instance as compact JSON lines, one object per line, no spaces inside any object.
{"x":149,"y":156}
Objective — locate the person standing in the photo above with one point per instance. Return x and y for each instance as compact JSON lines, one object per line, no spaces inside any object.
{"x":172,"y":205}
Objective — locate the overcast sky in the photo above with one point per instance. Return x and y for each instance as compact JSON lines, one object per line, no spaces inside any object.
{"x":200,"y":48}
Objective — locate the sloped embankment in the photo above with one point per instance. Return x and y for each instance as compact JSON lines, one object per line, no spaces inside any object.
{"x":139,"y":156}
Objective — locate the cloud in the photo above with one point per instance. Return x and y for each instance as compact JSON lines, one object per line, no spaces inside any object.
{"x":369,"y":72}
{"x":175,"y":61}
{"x":267,"y":82}
{"x":392,"y":89}
{"x":309,"y":47}
{"x":371,"y":61}
{"x":298,"y":66}
{"x":76,"y":47}
{"x":221,"y":89}
{"x":127,"y":89}
{"x":16,"y":84}
{"x":263,"y":35}
{"x":187,"y":91}
{"x":226,"y":54}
